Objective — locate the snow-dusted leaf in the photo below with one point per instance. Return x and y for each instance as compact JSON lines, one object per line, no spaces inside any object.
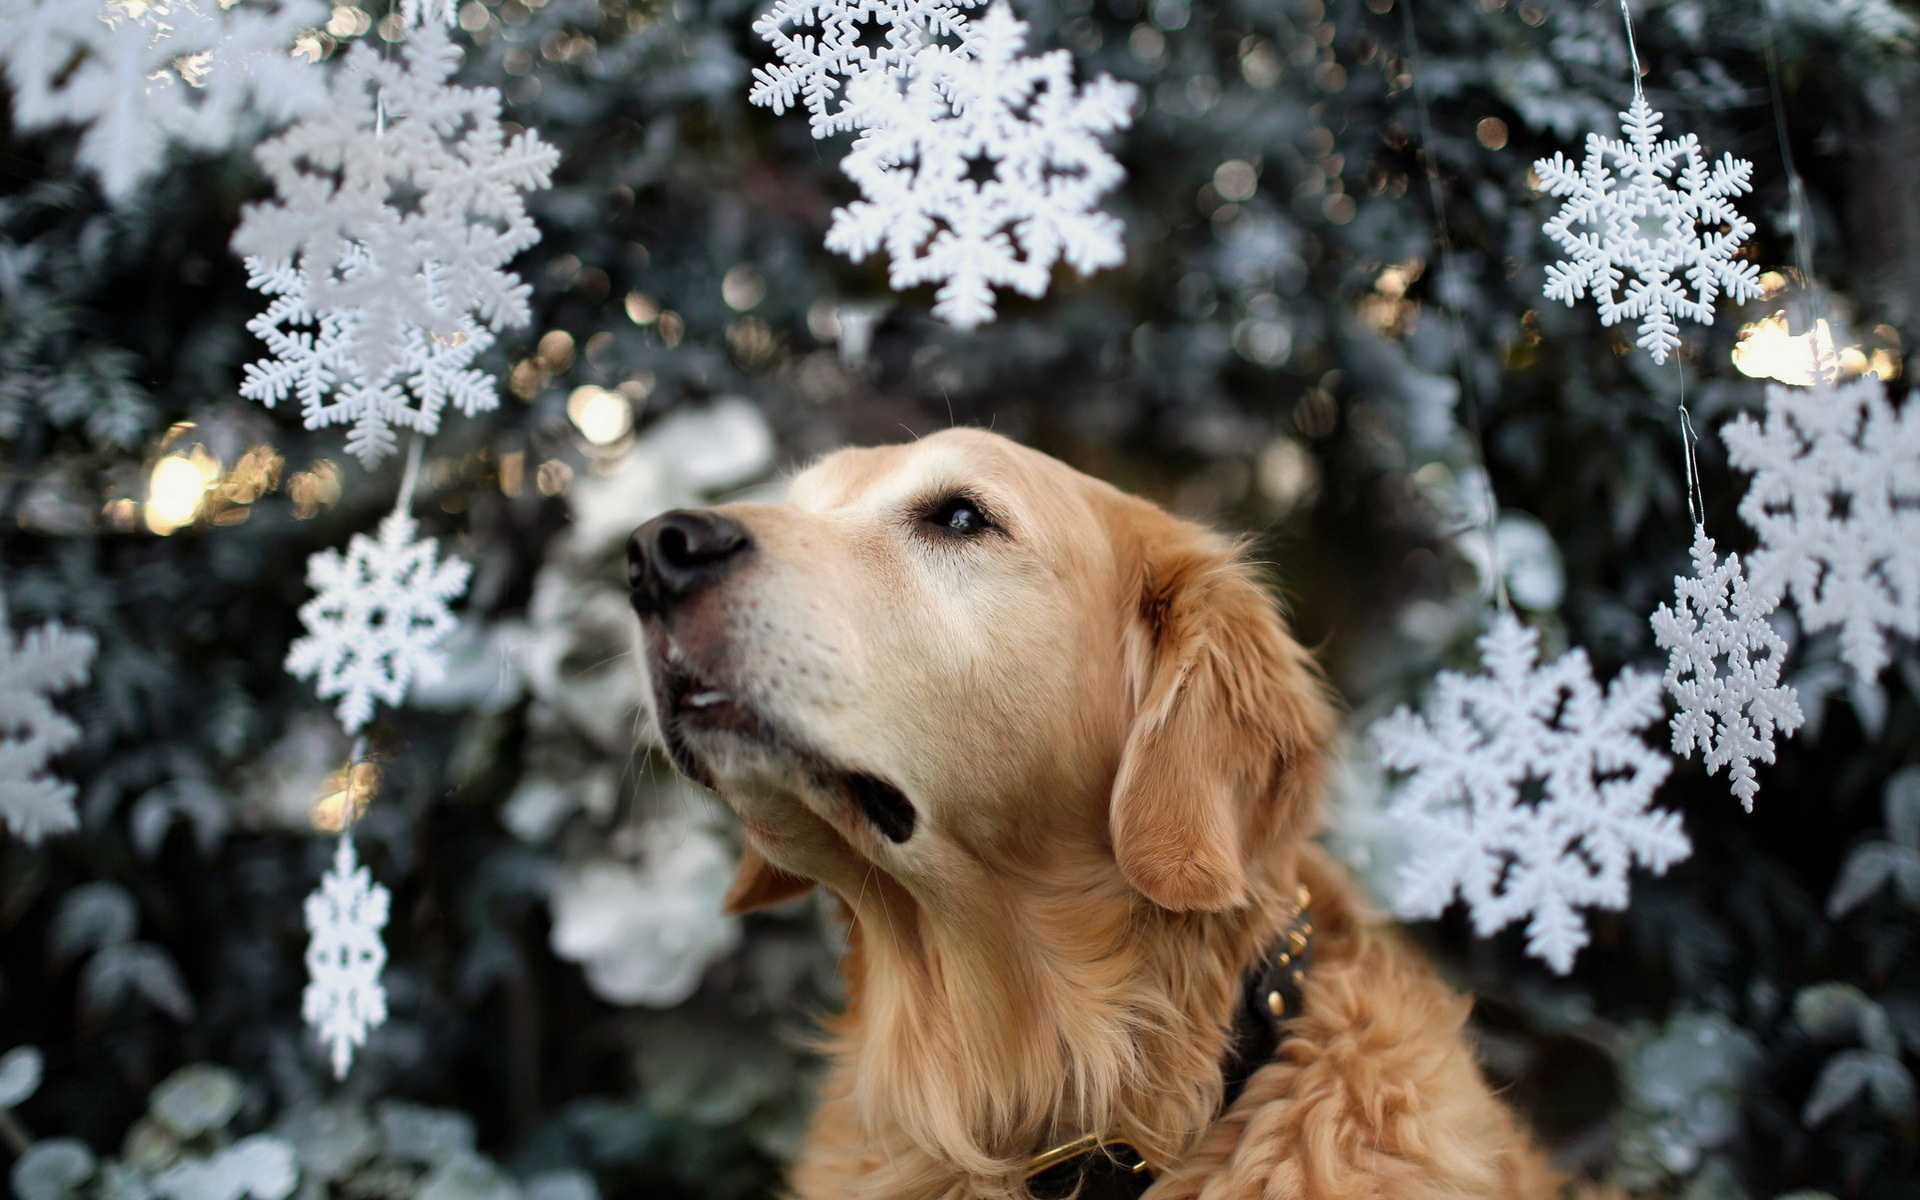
{"x":197,"y":1099}
{"x":20,"y":1071}
{"x":140,"y":77}
{"x":377,"y":619}
{"x":1835,"y":499}
{"x":982,"y":170}
{"x":204,"y":806}
{"x":135,"y":968}
{"x":344,"y":999}
{"x":1527,"y":792}
{"x":1723,"y":669}
{"x":1869,"y":868}
{"x":1855,"y":1074}
{"x":424,"y":1135}
{"x":52,"y":1169}
{"x":92,"y":916}
{"x":261,"y":1167}
{"x":1639,"y":223}
{"x":39,"y":663}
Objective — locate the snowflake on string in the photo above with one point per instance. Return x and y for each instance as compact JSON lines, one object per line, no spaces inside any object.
{"x":345,"y":914}
{"x":1723,"y":669}
{"x":1527,"y":792}
{"x":813,"y":65}
{"x":983,"y":171}
{"x":140,"y":76}
{"x":1668,"y":237}
{"x":401,"y":201}
{"x":1835,"y":499}
{"x":37,"y":664}
{"x":379,"y":615}
{"x":312,"y":358}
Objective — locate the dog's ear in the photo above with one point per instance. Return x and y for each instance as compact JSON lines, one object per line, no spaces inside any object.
{"x":1224,"y":757}
{"x":760,"y":884}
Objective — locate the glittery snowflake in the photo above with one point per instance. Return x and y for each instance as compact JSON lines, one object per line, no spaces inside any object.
{"x":37,"y":664}
{"x":140,"y":76}
{"x":982,"y":170}
{"x":378,"y":618}
{"x":401,"y":201}
{"x":820,"y":46}
{"x":1723,"y":668}
{"x":1668,"y":237}
{"x":312,"y":358}
{"x":1835,"y":499}
{"x":345,"y":914}
{"x":1527,"y":792}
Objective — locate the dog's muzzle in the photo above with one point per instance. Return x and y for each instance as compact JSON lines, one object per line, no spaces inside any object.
{"x":676,"y":554}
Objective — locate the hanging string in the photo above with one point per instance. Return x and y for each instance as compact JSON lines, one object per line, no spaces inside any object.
{"x":1696,"y":504}
{"x":1447,"y":275}
{"x":1633,"y":51}
{"x":411,"y":476}
{"x":349,"y":806}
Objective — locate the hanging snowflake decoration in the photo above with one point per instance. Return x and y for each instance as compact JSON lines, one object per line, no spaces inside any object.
{"x":344,"y":1001}
{"x":378,"y":617}
{"x":401,"y":202}
{"x":1835,"y":499}
{"x":312,"y":358}
{"x":33,"y":666}
{"x":140,"y":76}
{"x":820,"y":45}
{"x":1723,"y":669}
{"x":1527,"y":792}
{"x":983,"y":170}
{"x":1637,"y":222}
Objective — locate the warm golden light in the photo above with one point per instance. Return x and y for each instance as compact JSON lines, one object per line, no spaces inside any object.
{"x":343,"y":796}
{"x":177,"y":489}
{"x":1766,"y":350}
{"x":602,"y":416}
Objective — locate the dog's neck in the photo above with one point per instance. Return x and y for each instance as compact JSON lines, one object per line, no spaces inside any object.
{"x":975,"y":1038}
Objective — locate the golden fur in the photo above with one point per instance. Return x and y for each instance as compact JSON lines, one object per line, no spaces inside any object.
{"x":1116,"y":755}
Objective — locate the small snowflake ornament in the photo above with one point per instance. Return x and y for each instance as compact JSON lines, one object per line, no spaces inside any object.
{"x":312,"y":358}
{"x":401,"y":201}
{"x":1723,"y":669}
{"x":983,"y":169}
{"x":1835,"y":499}
{"x":142,"y":76}
{"x":1638,"y":222}
{"x":377,"y":620}
{"x":37,"y":664}
{"x":344,"y":1000}
{"x":823,"y":43}
{"x":1527,"y":792}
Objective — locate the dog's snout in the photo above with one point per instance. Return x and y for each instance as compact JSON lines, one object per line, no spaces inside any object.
{"x":675,"y":554}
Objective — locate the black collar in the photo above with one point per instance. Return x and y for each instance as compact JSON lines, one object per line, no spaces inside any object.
{"x":1094,"y":1167}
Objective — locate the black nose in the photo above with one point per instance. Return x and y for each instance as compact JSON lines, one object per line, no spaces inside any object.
{"x":677,"y":553}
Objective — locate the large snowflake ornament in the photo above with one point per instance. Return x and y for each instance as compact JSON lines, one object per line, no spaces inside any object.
{"x":982,"y":169}
{"x":1835,"y":499}
{"x":37,"y":664}
{"x":378,"y":618}
{"x":1637,"y":221}
{"x":312,"y":358}
{"x":823,"y":43}
{"x":344,"y":1000}
{"x":402,"y":201}
{"x":1723,"y":668}
{"x":1527,"y":792}
{"x":142,"y":74}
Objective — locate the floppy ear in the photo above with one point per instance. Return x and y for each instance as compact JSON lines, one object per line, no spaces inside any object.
{"x":760,"y":884}
{"x":1224,"y":756}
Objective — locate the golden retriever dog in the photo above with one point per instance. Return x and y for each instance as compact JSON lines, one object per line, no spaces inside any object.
{"x":1059,"y":760}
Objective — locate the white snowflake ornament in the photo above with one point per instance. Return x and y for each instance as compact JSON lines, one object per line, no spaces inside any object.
{"x":377,"y":620}
{"x":823,"y":43}
{"x":401,"y":201}
{"x":312,"y":357}
{"x":37,"y":664}
{"x":1723,"y":669}
{"x":1637,"y":221}
{"x":1527,"y":792}
{"x":344,"y":1000}
{"x":1835,"y":499}
{"x":141,"y":76}
{"x":983,"y":169}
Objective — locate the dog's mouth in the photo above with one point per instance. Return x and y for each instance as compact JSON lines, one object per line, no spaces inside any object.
{"x":883,"y":804}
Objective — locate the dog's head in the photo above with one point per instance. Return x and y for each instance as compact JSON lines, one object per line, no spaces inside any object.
{"x":956,"y":662}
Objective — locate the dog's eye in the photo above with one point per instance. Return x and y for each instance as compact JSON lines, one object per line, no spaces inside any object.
{"x":958,"y":514}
